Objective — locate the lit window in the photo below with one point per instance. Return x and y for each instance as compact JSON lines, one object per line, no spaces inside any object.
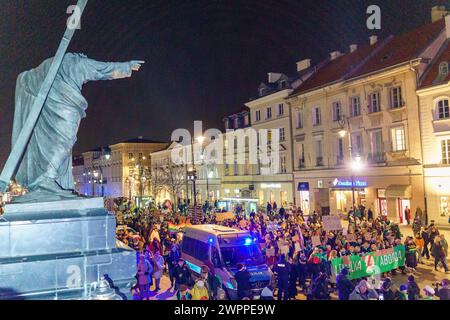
{"x":398,"y":139}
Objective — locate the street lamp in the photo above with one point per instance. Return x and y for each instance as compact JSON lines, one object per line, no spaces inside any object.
{"x":356,"y":164}
{"x":192,"y":174}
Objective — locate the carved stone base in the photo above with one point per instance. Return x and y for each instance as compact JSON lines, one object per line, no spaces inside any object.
{"x":55,"y":250}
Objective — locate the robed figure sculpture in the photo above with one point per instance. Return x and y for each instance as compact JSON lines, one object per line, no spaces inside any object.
{"x":46,"y":168}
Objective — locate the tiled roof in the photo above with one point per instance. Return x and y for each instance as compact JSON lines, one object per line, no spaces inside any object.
{"x":336,"y":69}
{"x":431,"y":77}
{"x":403,"y":48}
{"x":370,"y":58}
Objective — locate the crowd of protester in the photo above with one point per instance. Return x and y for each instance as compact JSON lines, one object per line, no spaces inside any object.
{"x":297,"y":248}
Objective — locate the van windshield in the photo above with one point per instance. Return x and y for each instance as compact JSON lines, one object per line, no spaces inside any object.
{"x":248,"y":255}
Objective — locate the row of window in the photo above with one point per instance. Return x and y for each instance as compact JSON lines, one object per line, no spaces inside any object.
{"x":269,"y":112}
{"x":395,"y":98}
{"x":398,"y":144}
{"x":247,"y":166}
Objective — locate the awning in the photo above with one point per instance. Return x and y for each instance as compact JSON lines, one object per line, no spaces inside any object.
{"x":398,"y":191}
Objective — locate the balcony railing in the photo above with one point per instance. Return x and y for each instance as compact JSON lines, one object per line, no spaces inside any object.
{"x":340,"y":160}
{"x":319,"y":161}
{"x":301,"y":163}
{"x":379,"y":157}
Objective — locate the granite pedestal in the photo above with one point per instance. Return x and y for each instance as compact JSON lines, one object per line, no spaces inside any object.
{"x":56,"y":250}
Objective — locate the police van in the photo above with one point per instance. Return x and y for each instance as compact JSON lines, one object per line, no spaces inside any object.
{"x":224,"y":248}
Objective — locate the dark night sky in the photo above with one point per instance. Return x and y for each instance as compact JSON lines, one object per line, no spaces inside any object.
{"x":205,"y":58}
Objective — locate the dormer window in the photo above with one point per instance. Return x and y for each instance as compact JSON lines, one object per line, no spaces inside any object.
{"x":262,"y":91}
{"x":283,"y":84}
{"x":443,"y":69}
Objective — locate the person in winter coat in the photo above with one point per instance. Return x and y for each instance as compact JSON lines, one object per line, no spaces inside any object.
{"x":158,"y":269}
{"x":172,"y":261}
{"x":183,"y":293}
{"x":411,"y":254}
{"x":420,"y":244}
{"x":283,"y":270}
{"x":426,"y":241}
{"x":200,"y":292}
{"x":242,"y":277}
{"x":344,"y":286}
{"x":293,"y":276}
{"x":212,"y":283}
{"x":182,"y":274}
{"x":438,"y":252}
{"x":143,"y":270}
{"x":319,"y":288}
{"x":413,"y":289}
{"x":363,"y":292}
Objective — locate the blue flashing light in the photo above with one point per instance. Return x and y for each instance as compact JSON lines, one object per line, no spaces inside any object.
{"x":211,"y":240}
{"x":248,"y":241}
{"x":229,"y":285}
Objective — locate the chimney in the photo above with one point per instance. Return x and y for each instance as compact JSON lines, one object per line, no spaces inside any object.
{"x":373,"y":40}
{"x":303,"y":64}
{"x":335,"y":55}
{"x":141,"y":138}
{"x":438,"y":12}
{"x":353,"y":47}
{"x":273,"y":77}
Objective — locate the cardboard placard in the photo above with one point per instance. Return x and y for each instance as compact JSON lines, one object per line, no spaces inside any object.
{"x":221,"y":216}
{"x":316,"y":241}
{"x":297,"y":247}
{"x":270,"y":252}
{"x":284,"y":249}
{"x":332,"y":223}
{"x":351,"y":237}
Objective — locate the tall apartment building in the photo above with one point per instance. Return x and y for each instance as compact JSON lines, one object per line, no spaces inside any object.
{"x":360,"y":110}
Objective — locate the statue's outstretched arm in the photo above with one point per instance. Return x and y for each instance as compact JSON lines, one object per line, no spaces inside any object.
{"x":99,"y":70}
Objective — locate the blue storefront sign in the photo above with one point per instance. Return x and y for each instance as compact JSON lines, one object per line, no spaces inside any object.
{"x":357,"y":183}
{"x":303,"y":186}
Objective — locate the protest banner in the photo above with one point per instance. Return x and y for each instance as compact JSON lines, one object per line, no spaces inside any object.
{"x":221,"y":216}
{"x":270,"y":252}
{"x":331,"y":223}
{"x":284,"y":249}
{"x":272,"y":226}
{"x":371,"y":264}
{"x":351,"y":237}
{"x":316,"y":241}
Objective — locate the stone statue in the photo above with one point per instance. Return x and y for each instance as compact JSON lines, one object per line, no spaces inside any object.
{"x":46,"y":167}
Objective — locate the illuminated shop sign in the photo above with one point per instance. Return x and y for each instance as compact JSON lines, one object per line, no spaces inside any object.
{"x":270,"y":186}
{"x":303,"y":186}
{"x":357,"y":183}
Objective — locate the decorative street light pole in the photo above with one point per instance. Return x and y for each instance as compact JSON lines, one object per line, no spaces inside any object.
{"x":355,"y":164}
{"x":192,"y":174}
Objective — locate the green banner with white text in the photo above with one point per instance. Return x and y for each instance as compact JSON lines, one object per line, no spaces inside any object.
{"x":370,"y":264}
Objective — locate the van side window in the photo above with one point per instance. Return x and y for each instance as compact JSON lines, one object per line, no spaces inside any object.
{"x":195,"y":248}
{"x":215,"y":257}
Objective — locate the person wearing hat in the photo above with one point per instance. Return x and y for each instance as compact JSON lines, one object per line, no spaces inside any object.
{"x":403,"y":295}
{"x":343,"y":284}
{"x":182,"y":274}
{"x":212,"y":283}
{"x":283,"y":269}
{"x":413,"y":289}
{"x":200,"y":292}
{"x":242,"y":278}
{"x":183,"y":293}
{"x":429,"y":293}
{"x":444,"y":292}
{"x":363,"y":292}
